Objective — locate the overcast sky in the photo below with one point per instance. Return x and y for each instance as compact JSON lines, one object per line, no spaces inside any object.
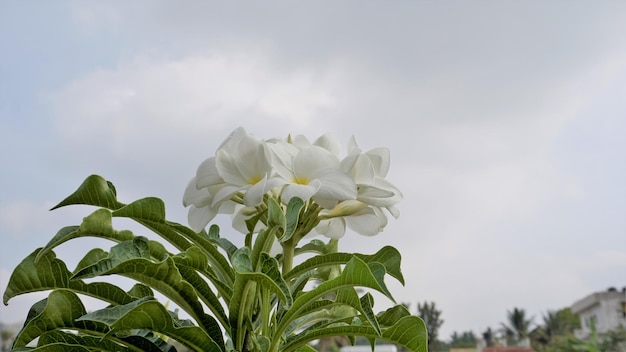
{"x":505,"y":121}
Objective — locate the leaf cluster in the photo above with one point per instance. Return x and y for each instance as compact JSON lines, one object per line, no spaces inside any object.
{"x":237,"y":299}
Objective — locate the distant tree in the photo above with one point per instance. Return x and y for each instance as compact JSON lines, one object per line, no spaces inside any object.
{"x":432,"y":318}
{"x":556,"y":324}
{"x":518,"y":325}
{"x":488,"y":337}
{"x":466,"y":339}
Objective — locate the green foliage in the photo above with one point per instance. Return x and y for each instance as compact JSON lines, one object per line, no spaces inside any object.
{"x":465,"y":339}
{"x":240,"y":299}
{"x":556,"y":325}
{"x":611,"y":341}
{"x":518,"y":326}
{"x":432,"y":318}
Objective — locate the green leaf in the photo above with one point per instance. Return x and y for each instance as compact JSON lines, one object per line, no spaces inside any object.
{"x":131,"y":259}
{"x":409,"y":332}
{"x":214,"y":237}
{"x":355,"y":273}
{"x":388,"y":256}
{"x":392,"y":315}
{"x":60,"y":347}
{"x":96,"y":191}
{"x":52,"y":340}
{"x":148,"y":209}
{"x":292,"y":216}
{"x":217,"y":260}
{"x":59,"y":311}
{"x":149,"y":314}
{"x":97,"y":224}
{"x":50,"y":273}
{"x":269,"y":267}
{"x":150,"y":212}
{"x":275,"y":215}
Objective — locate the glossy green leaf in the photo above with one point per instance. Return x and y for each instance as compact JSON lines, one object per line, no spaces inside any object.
{"x":275,"y":215}
{"x":59,"y":311}
{"x":96,"y":191}
{"x":150,"y":314}
{"x":409,"y":332}
{"x":355,"y":273}
{"x":292,"y":217}
{"x":388,"y":256}
{"x":97,"y":224}
{"x":52,"y":340}
{"x":131,"y":259}
{"x":50,"y":273}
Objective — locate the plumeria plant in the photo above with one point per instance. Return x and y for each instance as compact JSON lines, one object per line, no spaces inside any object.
{"x":283,"y":289}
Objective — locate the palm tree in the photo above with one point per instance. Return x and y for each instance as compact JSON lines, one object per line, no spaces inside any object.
{"x":518,"y":327}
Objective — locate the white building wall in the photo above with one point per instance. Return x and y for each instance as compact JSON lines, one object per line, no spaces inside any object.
{"x":604,"y":308}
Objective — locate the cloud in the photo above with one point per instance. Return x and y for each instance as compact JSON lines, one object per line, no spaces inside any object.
{"x":189,"y":96}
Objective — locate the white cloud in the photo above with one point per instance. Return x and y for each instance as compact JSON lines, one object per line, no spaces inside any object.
{"x":189,"y":97}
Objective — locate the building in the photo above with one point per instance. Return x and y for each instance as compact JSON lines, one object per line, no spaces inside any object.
{"x":607,"y":310}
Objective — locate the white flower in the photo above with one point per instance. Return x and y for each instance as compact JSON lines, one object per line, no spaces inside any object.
{"x":368,"y":171}
{"x":366,"y":220}
{"x":243,"y":164}
{"x":312,"y":173}
{"x":352,"y":191}
{"x":201,"y":210}
{"x":364,"y":215}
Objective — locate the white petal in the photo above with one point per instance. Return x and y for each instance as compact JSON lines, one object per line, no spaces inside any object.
{"x":348,"y":162}
{"x":353,"y":146}
{"x":252,"y":160}
{"x":301,"y":141}
{"x":394,"y":211}
{"x":304,"y":192}
{"x":198,"y":218}
{"x":230,"y":143}
{"x":377,"y":196}
{"x":362,"y":170}
{"x":335,"y":186}
{"x":330,"y":143}
{"x":310,"y":160}
{"x":333,"y":228}
{"x":369,"y":222}
{"x":380,"y":158}
{"x":282,"y":155}
{"x":195,"y":196}
{"x":240,"y":217}
{"x":254,"y":194}
{"x":226,"y":164}
{"x":207,"y":174}
{"x":225,"y":193}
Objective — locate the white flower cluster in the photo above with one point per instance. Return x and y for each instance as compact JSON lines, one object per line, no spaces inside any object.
{"x":351,"y":190}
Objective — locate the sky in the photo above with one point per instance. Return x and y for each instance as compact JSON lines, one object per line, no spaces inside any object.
{"x":505,"y":121}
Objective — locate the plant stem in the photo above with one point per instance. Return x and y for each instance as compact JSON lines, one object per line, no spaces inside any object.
{"x":288,"y":253}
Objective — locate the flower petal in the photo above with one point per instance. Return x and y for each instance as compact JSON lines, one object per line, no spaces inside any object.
{"x":310,"y":160}
{"x":304,"y":192}
{"x":254,"y":194}
{"x":332,"y":228}
{"x":195,"y":196}
{"x":207,"y":174}
{"x":335,"y":186}
{"x":224,"y":194}
{"x":198,"y":218}
{"x":330,"y":143}
{"x":368,"y":222}
{"x":380,"y":158}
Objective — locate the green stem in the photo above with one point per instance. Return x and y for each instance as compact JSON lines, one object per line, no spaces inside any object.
{"x":333,"y":247}
{"x":288,"y":253}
